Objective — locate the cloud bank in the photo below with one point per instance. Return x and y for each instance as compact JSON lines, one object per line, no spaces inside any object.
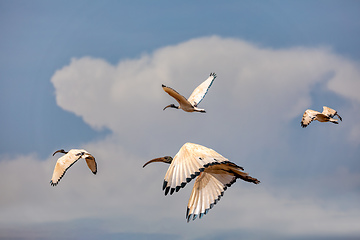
{"x":253,"y":118}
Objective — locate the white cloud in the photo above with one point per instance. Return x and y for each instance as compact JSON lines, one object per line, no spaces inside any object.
{"x":258,"y":82}
{"x":251,"y":107}
{"x":346,"y":81}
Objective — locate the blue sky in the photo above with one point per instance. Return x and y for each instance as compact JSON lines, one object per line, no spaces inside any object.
{"x":86,"y":74}
{"x":39,"y":37}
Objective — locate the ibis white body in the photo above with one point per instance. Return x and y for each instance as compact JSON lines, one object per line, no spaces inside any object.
{"x":66,"y":161}
{"x":215,"y":174}
{"x":327,"y":115}
{"x":190,"y":104}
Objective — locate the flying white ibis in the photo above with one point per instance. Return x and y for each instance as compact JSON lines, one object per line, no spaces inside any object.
{"x":215,"y":174}
{"x":66,"y":161}
{"x":190,"y":104}
{"x":326,"y":116}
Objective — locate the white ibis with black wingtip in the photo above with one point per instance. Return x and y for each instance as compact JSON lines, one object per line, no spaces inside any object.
{"x":66,"y":161}
{"x":326,"y":116}
{"x":190,"y":104}
{"x":215,"y":174}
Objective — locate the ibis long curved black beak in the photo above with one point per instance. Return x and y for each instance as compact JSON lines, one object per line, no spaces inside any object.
{"x":339,"y":116}
{"x":61,"y":151}
{"x":161,"y":159}
{"x":172,"y":106}
{"x":167,"y":106}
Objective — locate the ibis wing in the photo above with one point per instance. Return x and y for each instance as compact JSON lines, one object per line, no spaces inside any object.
{"x":210,"y":186}
{"x":90,"y":160}
{"x":330,"y":112}
{"x":177,"y":96}
{"x":199,"y":93}
{"x":62,"y":165}
{"x":308,"y":117}
{"x":207,"y":191}
{"x":188,"y":163}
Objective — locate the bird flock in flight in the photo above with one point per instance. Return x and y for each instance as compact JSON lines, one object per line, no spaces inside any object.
{"x":213,"y":172}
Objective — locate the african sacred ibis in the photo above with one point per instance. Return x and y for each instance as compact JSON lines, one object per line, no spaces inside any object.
{"x":215,"y":173}
{"x":66,"y":161}
{"x":190,"y":104}
{"x":326,"y":116}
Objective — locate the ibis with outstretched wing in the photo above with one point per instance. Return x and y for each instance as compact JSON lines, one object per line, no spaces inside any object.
{"x":214,"y":173}
{"x":191,"y":104}
{"x":66,"y":161}
{"x":327,"y":115}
